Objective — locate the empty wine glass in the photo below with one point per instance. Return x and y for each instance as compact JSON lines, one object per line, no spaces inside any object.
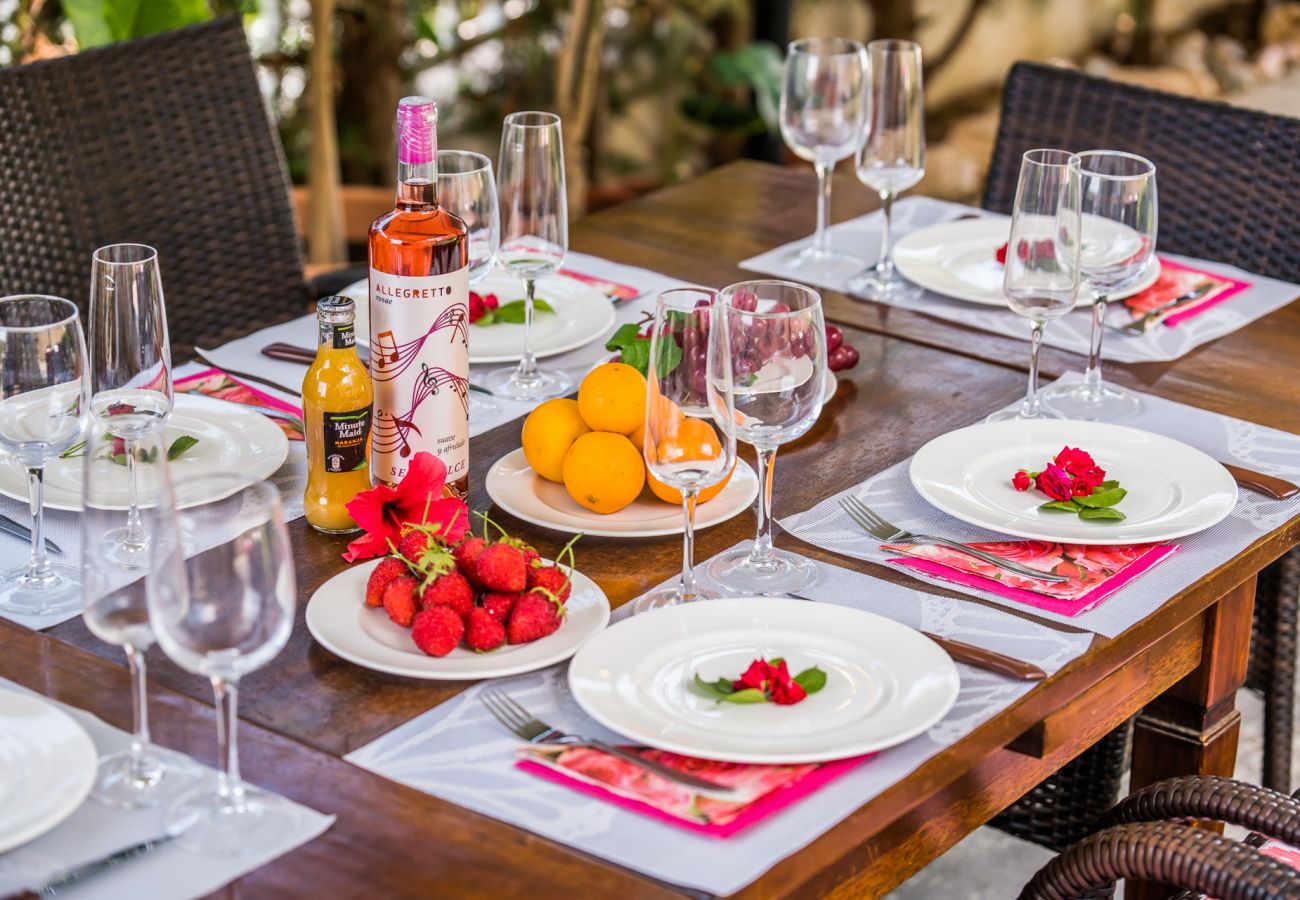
{"x":130,"y":362}
{"x":467,"y":188}
{"x":223,"y":610}
{"x":1041,"y":275}
{"x":823,"y":104}
{"x":891,"y":158}
{"x":1117,"y":198}
{"x":116,"y":612}
{"x":534,"y":237}
{"x":43,"y":401}
{"x":688,"y":390}
{"x":777,"y":346}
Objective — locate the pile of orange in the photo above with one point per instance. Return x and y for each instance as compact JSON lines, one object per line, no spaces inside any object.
{"x":593,"y":446}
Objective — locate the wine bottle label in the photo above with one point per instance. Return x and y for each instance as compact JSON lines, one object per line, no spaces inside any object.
{"x":346,"y":433}
{"x":340,"y":337}
{"x":419,"y":362}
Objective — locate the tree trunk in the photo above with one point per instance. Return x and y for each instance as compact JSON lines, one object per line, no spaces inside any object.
{"x":325,"y":210}
{"x":370,"y":49}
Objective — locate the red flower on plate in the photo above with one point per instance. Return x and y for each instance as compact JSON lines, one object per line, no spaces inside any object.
{"x":384,"y":512}
{"x":756,"y":676}
{"x":784,"y":690}
{"x":1002,"y":255}
{"x":1081,"y":487}
{"x":1022,"y":480}
{"x":1054,"y":481}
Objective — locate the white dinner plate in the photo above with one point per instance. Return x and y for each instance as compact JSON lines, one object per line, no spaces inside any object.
{"x":1173,"y":489}
{"x":959,"y":260}
{"x":582,"y":315}
{"x":47,"y":767}
{"x":232,"y":439}
{"x":885,"y":683}
{"x":515,"y":487}
{"x":339,"y":619}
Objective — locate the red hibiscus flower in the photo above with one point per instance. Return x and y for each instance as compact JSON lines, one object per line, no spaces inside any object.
{"x":1054,"y":481}
{"x":1022,"y":480}
{"x":383,"y":512}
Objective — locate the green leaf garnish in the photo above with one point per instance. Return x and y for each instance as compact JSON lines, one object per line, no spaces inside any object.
{"x":1103,"y":513}
{"x":1099,"y":499}
{"x":811,"y":680}
{"x":512,"y":313}
{"x":1062,"y":505}
{"x":180,"y":445}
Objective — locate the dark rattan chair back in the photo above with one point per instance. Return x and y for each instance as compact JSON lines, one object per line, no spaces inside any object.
{"x":162,"y":141}
{"x":1229,"y":178}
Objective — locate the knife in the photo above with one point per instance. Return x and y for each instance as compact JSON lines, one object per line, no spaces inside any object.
{"x":81,"y":873}
{"x":18,"y":530}
{"x":1268,"y":485}
{"x":289,"y":353}
{"x":1140,"y":324}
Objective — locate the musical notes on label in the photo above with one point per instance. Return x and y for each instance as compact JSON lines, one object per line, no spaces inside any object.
{"x":385,"y":355}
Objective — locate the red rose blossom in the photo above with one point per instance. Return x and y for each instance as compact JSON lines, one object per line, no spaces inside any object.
{"x":1002,"y":255}
{"x":1080,"y":487}
{"x":1054,"y":482}
{"x":756,"y":676}
{"x":1094,"y":475}
{"x":418,"y":499}
{"x":783,"y":690}
{"x":1074,"y":460}
{"x":1022,"y":481}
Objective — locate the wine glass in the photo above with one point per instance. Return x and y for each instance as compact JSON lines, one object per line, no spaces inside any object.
{"x":891,"y":158}
{"x":1041,"y":275}
{"x":687,"y":391}
{"x":115,"y":610}
{"x":130,"y":363}
{"x":1117,"y":199}
{"x":43,"y":401}
{"x":777,"y":344}
{"x":467,"y":188}
{"x":823,"y":105}
{"x":534,"y":237}
{"x":221,"y":612}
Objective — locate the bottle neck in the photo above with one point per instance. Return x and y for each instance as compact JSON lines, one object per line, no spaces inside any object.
{"x":337,"y":335}
{"x":417,"y":185}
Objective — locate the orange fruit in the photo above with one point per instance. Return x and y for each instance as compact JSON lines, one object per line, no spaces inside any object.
{"x":603,"y":471}
{"x":549,"y":432}
{"x":693,"y":439}
{"x":612,"y":398}
{"x":674,"y":496}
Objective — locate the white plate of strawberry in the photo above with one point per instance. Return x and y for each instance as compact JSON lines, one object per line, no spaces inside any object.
{"x":478,"y":609}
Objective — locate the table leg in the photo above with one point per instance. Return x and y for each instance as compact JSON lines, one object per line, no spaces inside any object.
{"x":1192,"y":728}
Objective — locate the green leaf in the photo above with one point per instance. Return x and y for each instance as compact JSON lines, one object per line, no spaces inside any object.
{"x":99,"y":22}
{"x":748,"y":695}
{"x":1099,"y":499}
{"x":1060,"y":505}
{"x":1108,"y":485}
{"x":486,"y":319}
{"x":669,"y":356}
{"x":811,"y":680}
{"x":631,"y":347}
{"x":717,"y":690}
{"x":513,"y":312}
{"x":1103,"y":513}
{"x":180,"y":445}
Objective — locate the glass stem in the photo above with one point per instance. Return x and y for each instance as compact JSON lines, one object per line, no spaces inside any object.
{"x":885,"y":265}
{"x":134,"y":537}
{"x":762,"y":551}
{"x":229,"y":786}
{"x":38,"y":565}
{"x":139,"y":711}
{"x":688,"y":544}
{"x":1092,"y":374}
{"x":822,"y":238}
{"x":527,"y":370}
{"x":1029,"y":410}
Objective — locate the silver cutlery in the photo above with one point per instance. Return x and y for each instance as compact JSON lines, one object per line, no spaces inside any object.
{"x":21,"y":531}
{"x":514,"y":717}
{"x":79,"y":874}
{"x":1139,"y":325}
{"x":873,"y":524}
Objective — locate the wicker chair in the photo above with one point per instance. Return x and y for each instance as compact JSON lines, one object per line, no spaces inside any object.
{"x":1146,"y":836}
{"x":1205,"y":152}
{"x":162,"y":141}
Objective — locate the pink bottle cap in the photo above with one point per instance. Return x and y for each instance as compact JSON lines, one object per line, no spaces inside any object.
{"x":417,"y":122}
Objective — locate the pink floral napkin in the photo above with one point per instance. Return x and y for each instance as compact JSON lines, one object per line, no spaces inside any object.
{"x":216,"y":383}
{"x":611,"y":289}
{"x":1177,"y":281}
{"x":760,"y":791}
{"x":1094,"y":572}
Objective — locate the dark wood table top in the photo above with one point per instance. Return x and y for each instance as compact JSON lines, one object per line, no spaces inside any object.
{"x":307,"y":707}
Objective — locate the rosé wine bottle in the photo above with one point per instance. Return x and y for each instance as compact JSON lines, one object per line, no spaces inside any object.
{"x":419,"y":315}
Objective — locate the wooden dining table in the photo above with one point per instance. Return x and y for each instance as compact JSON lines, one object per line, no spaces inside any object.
{"x":1178,"y":670}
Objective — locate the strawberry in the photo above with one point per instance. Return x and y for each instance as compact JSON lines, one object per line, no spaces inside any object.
{"x":552,"y":579}
{"x":413,"y":545}
{"x":484,"y":632}
{"x":466,"y":554}
{"x":438,"y":630}
{"x":382,"y":576}
{"x":499,"y":604}
{"x":501,"y":567}
{"x":449,"y":589}
{"x":535,"y":616}
{"x":399,"y":600}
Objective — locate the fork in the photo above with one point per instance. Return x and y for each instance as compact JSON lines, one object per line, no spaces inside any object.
{"x":519,"y":720}
{"x":870,"y":522}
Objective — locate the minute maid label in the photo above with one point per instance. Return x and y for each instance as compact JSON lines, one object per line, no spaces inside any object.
{"x":346,"y":435}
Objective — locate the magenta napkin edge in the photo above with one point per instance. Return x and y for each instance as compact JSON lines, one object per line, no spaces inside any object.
{"x":272,"y":402}
{"x":1237,"y":287}
{"x":1069,"y":608}
{"x":762,"y":808}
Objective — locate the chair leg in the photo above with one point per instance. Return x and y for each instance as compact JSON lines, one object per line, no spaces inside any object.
{"x":1278,"y":619}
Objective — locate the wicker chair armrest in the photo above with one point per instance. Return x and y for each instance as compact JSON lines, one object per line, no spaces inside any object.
{"x":1185,"y":857}
{"x":1212,"y":797}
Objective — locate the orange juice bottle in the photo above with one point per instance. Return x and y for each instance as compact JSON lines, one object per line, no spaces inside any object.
{"x":337,"y":400}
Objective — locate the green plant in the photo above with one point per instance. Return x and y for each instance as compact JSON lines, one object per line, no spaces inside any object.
{"x":98,"y":22}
